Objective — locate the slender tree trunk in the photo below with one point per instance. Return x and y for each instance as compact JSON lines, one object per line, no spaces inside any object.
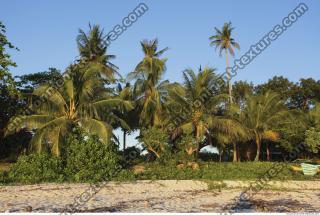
{"x":124,"y":139}
{"x":248,"y":153}
{"x":268,"y":152}
{"x":1,"y":135}
{"x":230,"y":101}
{"x":220,"y":155}
{"x":229,"y":78}
{"x":258,"y":143}
{"x":197,"y":150}
{"x":235,"y":152}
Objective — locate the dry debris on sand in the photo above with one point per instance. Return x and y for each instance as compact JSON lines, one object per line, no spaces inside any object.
{"x":161,"y":196}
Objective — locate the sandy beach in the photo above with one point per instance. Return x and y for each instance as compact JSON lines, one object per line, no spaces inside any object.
{"x":161,"y":196}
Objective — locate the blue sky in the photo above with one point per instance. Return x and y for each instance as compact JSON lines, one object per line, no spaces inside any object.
{"x":45,"y":33}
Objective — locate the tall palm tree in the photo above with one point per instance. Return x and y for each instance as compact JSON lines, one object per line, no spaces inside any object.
{"x":261,"y":115}
{"x":148,"y":86}
{"x":93,"y":51}
{"x":82,"y":101}
{"x":200,"y":118}
{"x":223,"y":41}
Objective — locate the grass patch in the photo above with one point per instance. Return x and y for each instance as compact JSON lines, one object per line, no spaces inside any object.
{"x":215,"y":185}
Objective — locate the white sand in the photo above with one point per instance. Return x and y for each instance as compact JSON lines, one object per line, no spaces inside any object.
{"x":160,"y":196}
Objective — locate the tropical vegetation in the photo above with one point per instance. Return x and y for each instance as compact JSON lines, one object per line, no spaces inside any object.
{"x":58,"y":126}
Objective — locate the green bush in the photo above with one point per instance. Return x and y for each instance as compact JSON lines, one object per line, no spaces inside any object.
{"x":184,"y":144}
{"x":89,"y":160}
{"x":155,"y":140}
{"x":131,"y":156}
{"x":4,"y":178}
{"x":220,"y":171}
{"x":36,"y":168}
{"x":312,"y":140}
{"x":125,"y":175}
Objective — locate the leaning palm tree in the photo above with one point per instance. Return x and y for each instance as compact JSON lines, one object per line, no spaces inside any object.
{"x":92,"y":47}
{"x":261,"y":115}
{"x":148,"y":86}
{"x":223,"y":41}
{"x":198,"y":110}
{"x":82,"y":101}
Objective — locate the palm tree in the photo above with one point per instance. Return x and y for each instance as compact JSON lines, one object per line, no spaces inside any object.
{"x":82,"y":101}
{"x":131,"y":117}
{"x":198,"y":111}
{"x":261,"y":115}
{"x":93,"y":52}
{"x":223,"y":41}
{"x":148,"y":86}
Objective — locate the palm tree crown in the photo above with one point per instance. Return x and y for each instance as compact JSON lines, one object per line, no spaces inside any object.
{"x":148,"y":74}
{"x":82,"y":101}
{"x":223,"y":41}
{"x":199,"y":110}
{"x":93,"y":51}
{"x":261,"y":115}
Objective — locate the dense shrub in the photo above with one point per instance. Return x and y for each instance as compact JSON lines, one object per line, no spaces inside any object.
{"x":36,"y":168}
{"x":155,"y":140}
{"x":219,"y":171}
{"x":125,"y":175}
{"x":187,"y":146}
{"x":313,"y":140}
{"x":4,"y":178}
{"x":89,"y":160}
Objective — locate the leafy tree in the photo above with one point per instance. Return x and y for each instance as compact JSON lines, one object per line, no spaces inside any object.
{"x":81,"y":101}
{"x":223,"y":41}
{"x":292,"y":130}
{"x":148,"y":74}
{"x":241,"y":90}
{"x":260,"y":116}
{"x":196,"y":111}
{"x":6,"y":79}
{"x":155,"y":140}
{"x":280,"y":85}
{"x":9,"y":95}
{"x":27,"y":83}
{"x":302,"y":94}
{"x":307,"y":93}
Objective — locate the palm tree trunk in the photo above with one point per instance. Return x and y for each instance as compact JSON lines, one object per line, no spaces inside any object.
{"x":230,"y":101}
{"x":248,"y":153}
{"x":268,"y":152}
{"x":229,"y":78}
{"x":1,"y":135}
{"x":220,"y":155}
{"x":258,"y":143}
{"x":197,"y":150}
{"x":124,"y":139}
{"x":235,"y":152}
{"x":238,"y":155}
